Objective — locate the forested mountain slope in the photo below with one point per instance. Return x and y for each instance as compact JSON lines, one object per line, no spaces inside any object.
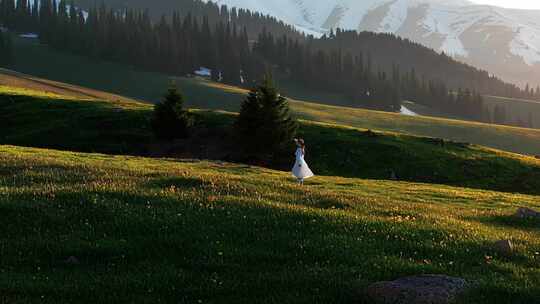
{"x":504,"y":41}
{"x":358,"y":66}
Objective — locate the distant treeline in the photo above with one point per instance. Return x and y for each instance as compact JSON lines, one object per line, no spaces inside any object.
{"x":253,"y":21}
{"x":240,"y":46}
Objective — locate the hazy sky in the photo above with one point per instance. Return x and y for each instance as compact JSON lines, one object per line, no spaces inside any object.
{"x":530,"y":4}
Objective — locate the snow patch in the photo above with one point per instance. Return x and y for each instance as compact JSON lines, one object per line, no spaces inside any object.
{"x":29,"y":36}
{"x":450,"y":24}
{"x":405,"y":111}
{"x":526,"y":44}
{"x":396,"y":16}
{"x":203,"y":72}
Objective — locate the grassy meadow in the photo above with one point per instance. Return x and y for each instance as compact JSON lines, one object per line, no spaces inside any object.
{"x":44,"y":119}
{"x":161,"y":231}
{"x":38,"y":119}
{"x":516,"y":109}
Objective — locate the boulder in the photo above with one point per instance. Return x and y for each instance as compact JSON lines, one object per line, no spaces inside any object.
{"x":527,"y":213}
{"x":424,"y":289}
{"x":504,"y":247}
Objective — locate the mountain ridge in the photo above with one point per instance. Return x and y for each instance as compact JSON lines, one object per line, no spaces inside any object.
{"x":504,"y":41}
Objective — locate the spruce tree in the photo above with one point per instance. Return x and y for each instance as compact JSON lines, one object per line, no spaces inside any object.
{"x":265,"y":126}
{"x":6,"y":52}
{"x":170,"y":120}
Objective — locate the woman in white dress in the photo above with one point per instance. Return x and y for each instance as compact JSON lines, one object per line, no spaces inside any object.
{"x":301,"y":169}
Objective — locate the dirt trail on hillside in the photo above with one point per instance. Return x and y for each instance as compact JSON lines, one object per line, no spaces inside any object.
{"x":16,"y":79}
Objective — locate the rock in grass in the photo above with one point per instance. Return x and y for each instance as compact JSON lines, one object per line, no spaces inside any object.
{"x":504,"y":247}
{"x":424,"y":289}
{"x":72,"y":261}
{"x":527,"y":213}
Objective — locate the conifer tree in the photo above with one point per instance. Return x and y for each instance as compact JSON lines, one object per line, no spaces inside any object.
{"x":6,"y":51}
{"x":170,"y":120}
{"x":264,"y":125}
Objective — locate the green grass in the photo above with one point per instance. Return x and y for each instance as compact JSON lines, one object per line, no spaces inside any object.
{"x":39,"y":119}
{"x":46,"y":120}
{"x":12,"y":91}
{"x":42,"y":61}
{"x":518,"y":140}
{"x":167,"y":231}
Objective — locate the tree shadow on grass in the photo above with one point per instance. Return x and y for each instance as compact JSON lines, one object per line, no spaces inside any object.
{"x":415,"y":159}
{"x":509,"y":221}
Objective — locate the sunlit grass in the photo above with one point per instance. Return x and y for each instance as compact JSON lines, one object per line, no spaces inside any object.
{"x":223,"y":87}
{"x":512,"y":139}
{"x":172,"y":231}
{"x":19,"y":91}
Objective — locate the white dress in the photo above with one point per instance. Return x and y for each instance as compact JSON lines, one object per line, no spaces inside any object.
{"x":301,"y":169}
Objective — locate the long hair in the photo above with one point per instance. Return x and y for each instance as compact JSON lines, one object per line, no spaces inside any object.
{"x":301,"y":144}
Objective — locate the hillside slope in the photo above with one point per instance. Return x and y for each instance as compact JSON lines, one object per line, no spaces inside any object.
{"x":150,"y":230}
{"x":42,"y":61}
{"x":37,"y":119}
{"x":19,"y":80}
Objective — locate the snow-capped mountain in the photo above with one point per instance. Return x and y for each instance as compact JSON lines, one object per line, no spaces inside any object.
{"x":504,"y":41}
